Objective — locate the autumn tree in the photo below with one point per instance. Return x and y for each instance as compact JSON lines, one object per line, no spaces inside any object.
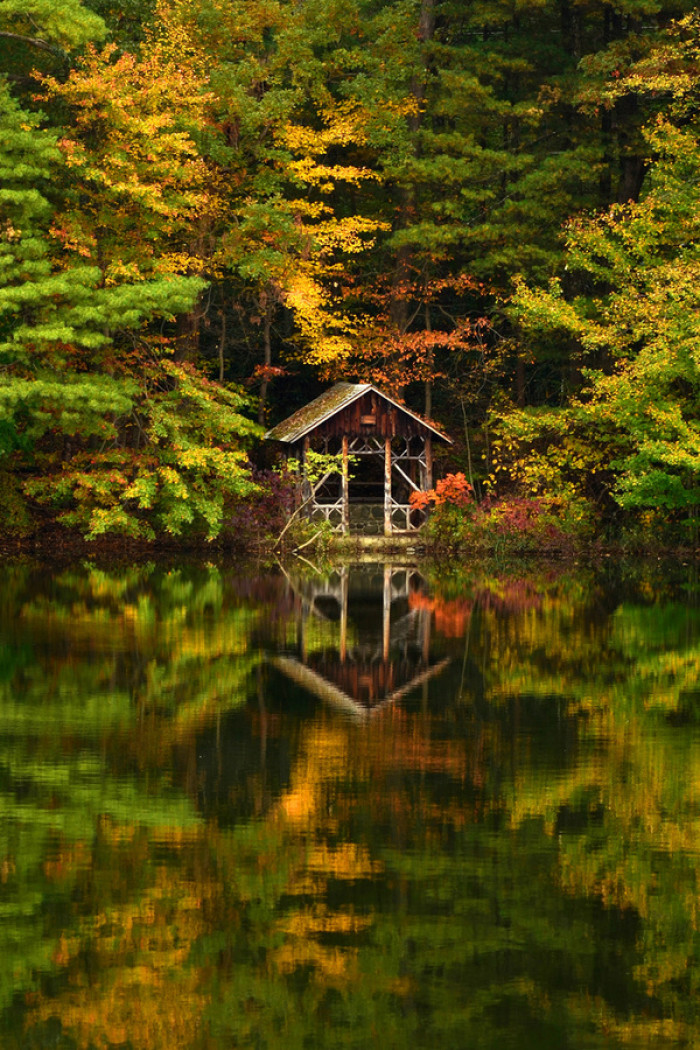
{"x":285,"y":152}
{"x":98,"y":414}
{"x":629,"y":303}
{"x":490,"y":128}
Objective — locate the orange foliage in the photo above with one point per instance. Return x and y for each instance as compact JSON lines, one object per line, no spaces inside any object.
{"x":451,"y":615}
{"x":454,"y":488}
{"x":395,"y":354}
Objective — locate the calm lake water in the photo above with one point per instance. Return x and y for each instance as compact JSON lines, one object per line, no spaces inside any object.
{"x":396,"y":806}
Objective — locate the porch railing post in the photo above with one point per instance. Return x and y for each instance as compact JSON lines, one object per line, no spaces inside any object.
{"x":428,"y":461}
{"x":345,"y":489}
{"x":387,"y":487}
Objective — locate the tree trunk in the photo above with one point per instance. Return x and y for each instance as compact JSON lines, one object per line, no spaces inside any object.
{"x":266,"y":305}
{"x":429,"y":381}
{"x":187,"y":337}
{"x":222,"y":343}
{"x":520,"y":380}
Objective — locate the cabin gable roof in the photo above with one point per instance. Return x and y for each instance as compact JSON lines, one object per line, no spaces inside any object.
{"x":332,"y":401}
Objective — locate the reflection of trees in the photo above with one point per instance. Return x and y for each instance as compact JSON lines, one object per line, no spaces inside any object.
{"x":191,"y":858}
{"x":126,"y":978}
{"x":103,"y":677}
{"x":622,"y":803}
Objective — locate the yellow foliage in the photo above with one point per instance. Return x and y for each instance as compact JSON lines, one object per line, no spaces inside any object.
{"x":326,"y":334}
{"x":345,"y":861}
{"x":143,"y":949}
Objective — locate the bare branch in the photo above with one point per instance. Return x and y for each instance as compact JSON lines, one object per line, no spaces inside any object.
{"x":300,"y":508}
{"x":33,"y":41}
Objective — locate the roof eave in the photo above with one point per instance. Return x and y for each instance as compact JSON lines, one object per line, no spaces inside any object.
{"x":299,"y":435}
{"x":360,"y":391}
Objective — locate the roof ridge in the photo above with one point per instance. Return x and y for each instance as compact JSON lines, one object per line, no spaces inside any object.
{"x":328,"y":403}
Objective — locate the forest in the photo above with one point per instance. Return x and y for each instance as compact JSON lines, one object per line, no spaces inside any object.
{"x":210,"y":209}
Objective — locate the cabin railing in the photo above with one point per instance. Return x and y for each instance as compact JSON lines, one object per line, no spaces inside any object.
{"x":405,"y":518}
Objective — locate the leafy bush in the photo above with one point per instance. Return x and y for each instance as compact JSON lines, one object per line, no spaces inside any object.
{"x":514,"y":523}
{"x":454,"y":490}
{"x":258,"y":519}
{"x":16,"y":517}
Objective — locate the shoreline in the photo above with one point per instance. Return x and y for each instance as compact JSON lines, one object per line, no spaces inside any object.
{"x":60,"y":544}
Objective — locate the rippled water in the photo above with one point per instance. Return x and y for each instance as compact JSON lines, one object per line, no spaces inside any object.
{"x":387,"y":806}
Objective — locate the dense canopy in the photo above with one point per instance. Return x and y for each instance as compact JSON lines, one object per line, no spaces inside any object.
{"x":211,"y":209}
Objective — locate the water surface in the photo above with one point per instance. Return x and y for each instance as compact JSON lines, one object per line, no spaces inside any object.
{"x":382,"y":804}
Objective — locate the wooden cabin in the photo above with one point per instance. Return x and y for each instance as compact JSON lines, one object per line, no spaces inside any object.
{"x":386,"y":452}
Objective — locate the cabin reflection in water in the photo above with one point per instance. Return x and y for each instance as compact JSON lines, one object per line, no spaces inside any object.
{"x":363,"y":638}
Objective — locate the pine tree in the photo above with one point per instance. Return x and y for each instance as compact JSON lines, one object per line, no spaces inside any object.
{"x":629,"y":305}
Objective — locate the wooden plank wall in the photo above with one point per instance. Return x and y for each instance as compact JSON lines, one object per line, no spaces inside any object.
{"x":354,"y":421}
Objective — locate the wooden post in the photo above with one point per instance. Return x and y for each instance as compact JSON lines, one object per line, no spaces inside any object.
{"x":299,"y":487}
{"x":428,"y":461}
{"x":301,"y":635}
{"x":343,"y":611}
{"x":306,"y":484}
{"x":425,"y":632}
{"x":387,"y":486}
{"x":427,"y":618}
{"x":386,"y":613}
{"x":345,"y":488}
{"x":412,"y":466}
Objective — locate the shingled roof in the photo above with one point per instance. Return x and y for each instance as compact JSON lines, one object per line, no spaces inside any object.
{"x":328,"y":404}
